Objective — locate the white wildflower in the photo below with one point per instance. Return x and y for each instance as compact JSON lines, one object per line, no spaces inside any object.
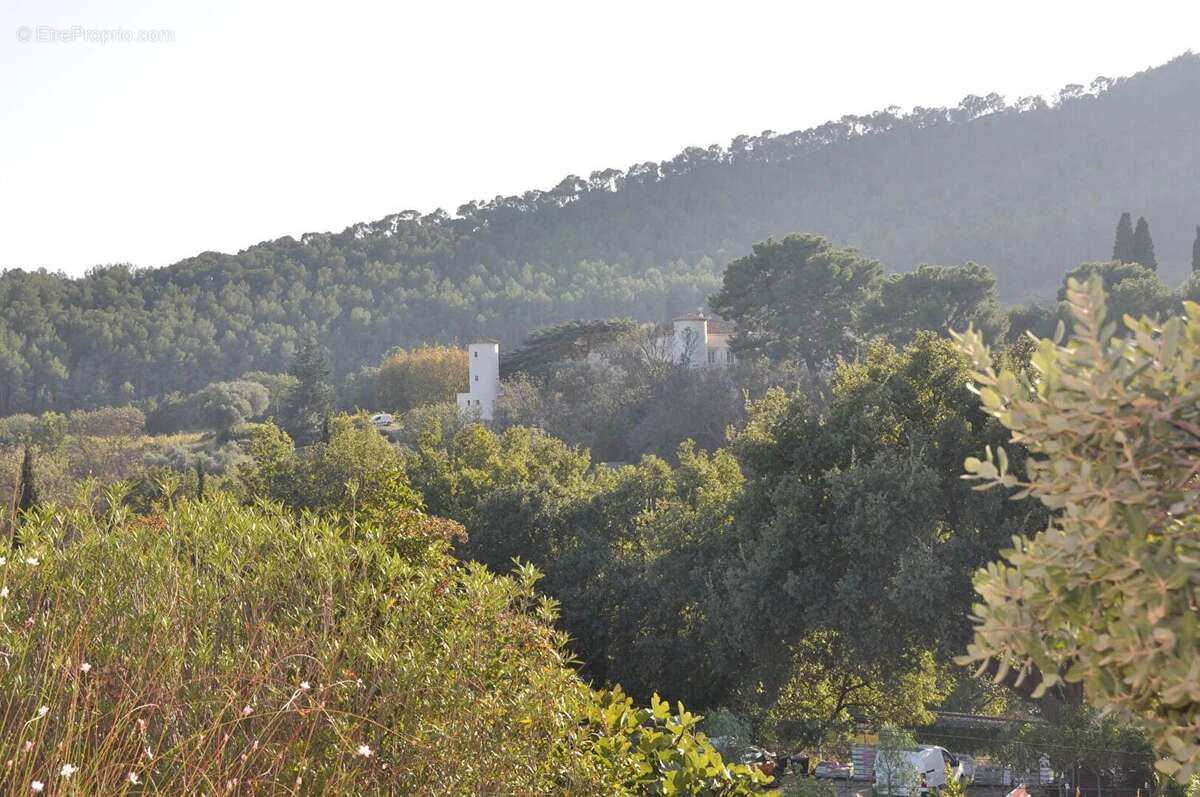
{"x":32,"y":561}
{"x":28,"y":746}
{"x":305,"y":686}
{"x":85,"y":668}
{"x":134,"y":779}
{"x":68,"y":770}
{"x":247,"y":709}
{"x":43,"y":711}
{"x":3,"y":592}
{"x":37,"y":785}
{"x":365,"y":751}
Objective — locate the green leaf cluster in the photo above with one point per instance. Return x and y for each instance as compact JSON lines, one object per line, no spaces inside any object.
{"x":1108,"y":595}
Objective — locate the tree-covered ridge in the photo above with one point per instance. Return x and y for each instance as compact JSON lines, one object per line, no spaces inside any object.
{"x":1028,"y":188}
{"x":930,"y":185}
{"x":120,"y":334}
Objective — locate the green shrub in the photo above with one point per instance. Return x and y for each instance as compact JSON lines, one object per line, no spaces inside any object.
{"x":653,"y":751}
{"x":214,"y":647}
{"x":1106,"y":595}
{"x":224,"y":644}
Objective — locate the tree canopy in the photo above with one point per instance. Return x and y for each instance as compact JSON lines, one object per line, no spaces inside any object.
{"x":800,"y":298}
{"x":427,"y":375}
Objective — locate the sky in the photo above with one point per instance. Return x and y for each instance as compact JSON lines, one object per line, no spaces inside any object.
{"x":145,"y":132}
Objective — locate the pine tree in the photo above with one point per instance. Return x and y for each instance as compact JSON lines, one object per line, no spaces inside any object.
{"x":27,"y":497}
{"x":1143,"y":245}
{"x":1196,"y":251}
{"x":311,"y":399}
{"x":1123,"y":244}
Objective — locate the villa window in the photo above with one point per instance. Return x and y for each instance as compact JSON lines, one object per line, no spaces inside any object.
{"x":712,"y":356}
{"x":476,"y":377}
{"x":729,"y":357}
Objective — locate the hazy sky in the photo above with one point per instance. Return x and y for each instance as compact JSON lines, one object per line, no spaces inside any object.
{"x":266,"y":119}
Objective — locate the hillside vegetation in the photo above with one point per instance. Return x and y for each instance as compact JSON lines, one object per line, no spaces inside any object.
{"x":1029,"y":188}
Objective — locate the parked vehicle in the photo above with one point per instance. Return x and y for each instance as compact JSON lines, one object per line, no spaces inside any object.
{"x":967,"y":765}
{"x":933,"y":767}
{"x":961,"y":766}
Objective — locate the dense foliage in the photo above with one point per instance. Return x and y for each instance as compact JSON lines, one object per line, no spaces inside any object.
{"x":215,"y":646}
{"x":427,"y":375}
{"x":645,"y":242}
{"x":1107,"y":595}
{"x":813,"y":573}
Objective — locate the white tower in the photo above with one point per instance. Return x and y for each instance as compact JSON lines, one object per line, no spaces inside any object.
{"x":483,"y":373}
{"x":690,"y":333}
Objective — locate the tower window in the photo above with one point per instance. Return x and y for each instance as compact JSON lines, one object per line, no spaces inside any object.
{"x":475,"y":353}
{"x":476,"y":377}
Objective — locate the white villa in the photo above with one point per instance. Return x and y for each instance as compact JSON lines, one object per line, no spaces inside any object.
{"x":700,"y":341}
{"x":695,"y":339}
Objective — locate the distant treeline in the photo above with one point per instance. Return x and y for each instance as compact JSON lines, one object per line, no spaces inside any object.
{"x":1028,"y":188}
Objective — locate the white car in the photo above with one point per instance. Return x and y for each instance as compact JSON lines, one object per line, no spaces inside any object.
{"x":927,"y":767}
{"x":966,"y":766}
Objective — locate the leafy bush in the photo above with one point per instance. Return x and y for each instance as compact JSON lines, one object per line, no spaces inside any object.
{"x":1106,"y":594}
{"x":213,"y":647}
{"x":652,"y":751}
{"x":215,"y":644}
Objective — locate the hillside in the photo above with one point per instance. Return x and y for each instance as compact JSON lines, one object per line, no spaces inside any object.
{"x":1029,"y":188}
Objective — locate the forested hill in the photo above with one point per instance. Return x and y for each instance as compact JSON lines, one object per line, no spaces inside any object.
{"x":1030,"y":188}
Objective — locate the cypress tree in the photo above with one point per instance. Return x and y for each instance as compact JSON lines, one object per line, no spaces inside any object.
{"x":1196,"y":251}
{"x":1143,"y":245}
{"x":27,"y":498}
{"x":1123,"y":243}
{"x":199,"y":481}
{"x":311,"y":399}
